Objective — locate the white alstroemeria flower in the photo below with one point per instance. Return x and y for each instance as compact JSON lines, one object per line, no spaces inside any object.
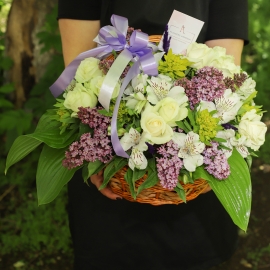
{"x":139,"y":83}
{"x":190,"y":149}
{"x":239,"y":145}
{"x":136,"y":141}
{"x":226,"y":106}
{"x":136,"y":102}
{"x":226,"y":134}
{"x":160,"y":88}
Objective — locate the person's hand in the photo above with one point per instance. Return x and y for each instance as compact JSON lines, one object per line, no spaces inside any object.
{"x":97,"y":180}
{"x":207,"y":189}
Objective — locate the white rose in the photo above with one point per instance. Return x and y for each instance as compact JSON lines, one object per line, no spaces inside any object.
{"x":200,"y":55}
{"x":156,"y":128}
{"x":87,"y":70}
{"x":253,"y":129}
{"x":226,"y":64}
{"x":170,"y":111}
{"x":96,"y":83}
{"x":79,"y":97}
{"x":247,"y":88}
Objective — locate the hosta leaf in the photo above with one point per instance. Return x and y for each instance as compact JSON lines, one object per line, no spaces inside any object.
{"x":51,"y":174}
{"x":21,"y":147}
{"x":234,"y":192}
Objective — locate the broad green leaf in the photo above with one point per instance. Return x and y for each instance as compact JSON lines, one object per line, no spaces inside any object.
{"x":112,"y":168}
{"x":152,"y":178}
{"x":234,"y":192}
{"x":150,"y":181}
{"x":138,"y":174}
{"x":129,"y":179}
{"x":21,"y":147}
{"x":53,"y":138}
{"x":51,"y":174}
{"x":92,"y":168}
{"x":181,"y":192}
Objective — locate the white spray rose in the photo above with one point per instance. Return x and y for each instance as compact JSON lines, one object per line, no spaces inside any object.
{"x":253,"y":129}
{"x":79,"y":97}
{"x":156,"y":129}
{"x":169,"y":109}
{"x":199,"y":54}
{"x":87,"y":70}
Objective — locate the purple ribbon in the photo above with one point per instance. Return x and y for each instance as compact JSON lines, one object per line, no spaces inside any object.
{"x":110,"y":38}
{"x":113,"y":38}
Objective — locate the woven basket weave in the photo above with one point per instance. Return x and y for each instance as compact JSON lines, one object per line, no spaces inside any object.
{"x":155,"y":195}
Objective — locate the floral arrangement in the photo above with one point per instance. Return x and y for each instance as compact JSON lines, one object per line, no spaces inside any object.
{"x":191,"y":116}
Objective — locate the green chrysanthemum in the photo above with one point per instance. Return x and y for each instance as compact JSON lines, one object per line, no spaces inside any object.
{"x":173,"y":66}
{"x":208,"y":126}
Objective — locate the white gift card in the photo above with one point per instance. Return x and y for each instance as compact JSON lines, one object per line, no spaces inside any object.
{"x":183,"y":30}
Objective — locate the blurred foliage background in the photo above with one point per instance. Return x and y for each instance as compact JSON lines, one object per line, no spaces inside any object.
{"x":33,"y":237}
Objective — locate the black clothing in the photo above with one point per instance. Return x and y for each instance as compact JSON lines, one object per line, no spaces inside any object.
{"x":124,"y":235}
{"x":223,"y":18}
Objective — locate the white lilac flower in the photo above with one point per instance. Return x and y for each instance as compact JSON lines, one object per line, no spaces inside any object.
{"x":226,"y":106}
{"x":190,"y":149}
{"x":136,"y":141}
{"x":162,"y":87}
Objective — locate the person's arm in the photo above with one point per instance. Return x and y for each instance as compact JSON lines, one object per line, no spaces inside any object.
{"x":77,"y":36}
{"x":233,"y":47}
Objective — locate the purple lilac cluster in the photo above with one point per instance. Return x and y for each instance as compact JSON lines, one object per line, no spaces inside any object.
{"x":93,"y":118}
{"x":237,"y":81}
{"x":168,"y":165}
{"x":216,"y":162}
{"x":207,"y":85}
{"x":105,"y":64}
{"x":90,"y":147}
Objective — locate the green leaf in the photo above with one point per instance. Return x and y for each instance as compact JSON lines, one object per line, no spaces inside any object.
{"x":150,"y":181}
{"x":51,"y":174}
{"x":83,"y":129}
{"x":129,"y":178}
{"x":234,"y":192}
{"x":181,"y":192}
{"x":92,"y":168}
{"x":6,"y":103}
{"x":181,"y":125}
{"x":152,"y":177}
{"x":54,"y":139}
{"x":7,"y":88}
{"x":112,"y":168}
{"x":21,"y":147}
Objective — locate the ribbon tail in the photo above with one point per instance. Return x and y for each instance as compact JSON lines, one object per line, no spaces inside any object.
{"x":112,"y":78}
{"x":134,"y":71}
{"x":69,"y":72}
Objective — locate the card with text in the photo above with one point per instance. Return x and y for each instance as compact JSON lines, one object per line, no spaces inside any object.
{"x":183,"y":30}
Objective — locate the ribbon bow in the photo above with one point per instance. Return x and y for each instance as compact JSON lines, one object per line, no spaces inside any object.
{"x":113,"y":38}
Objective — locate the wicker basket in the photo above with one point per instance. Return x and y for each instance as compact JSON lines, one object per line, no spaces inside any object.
{"x":155,"y":195}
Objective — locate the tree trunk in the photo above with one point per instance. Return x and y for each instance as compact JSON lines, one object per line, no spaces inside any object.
{"x":25,"y":19}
